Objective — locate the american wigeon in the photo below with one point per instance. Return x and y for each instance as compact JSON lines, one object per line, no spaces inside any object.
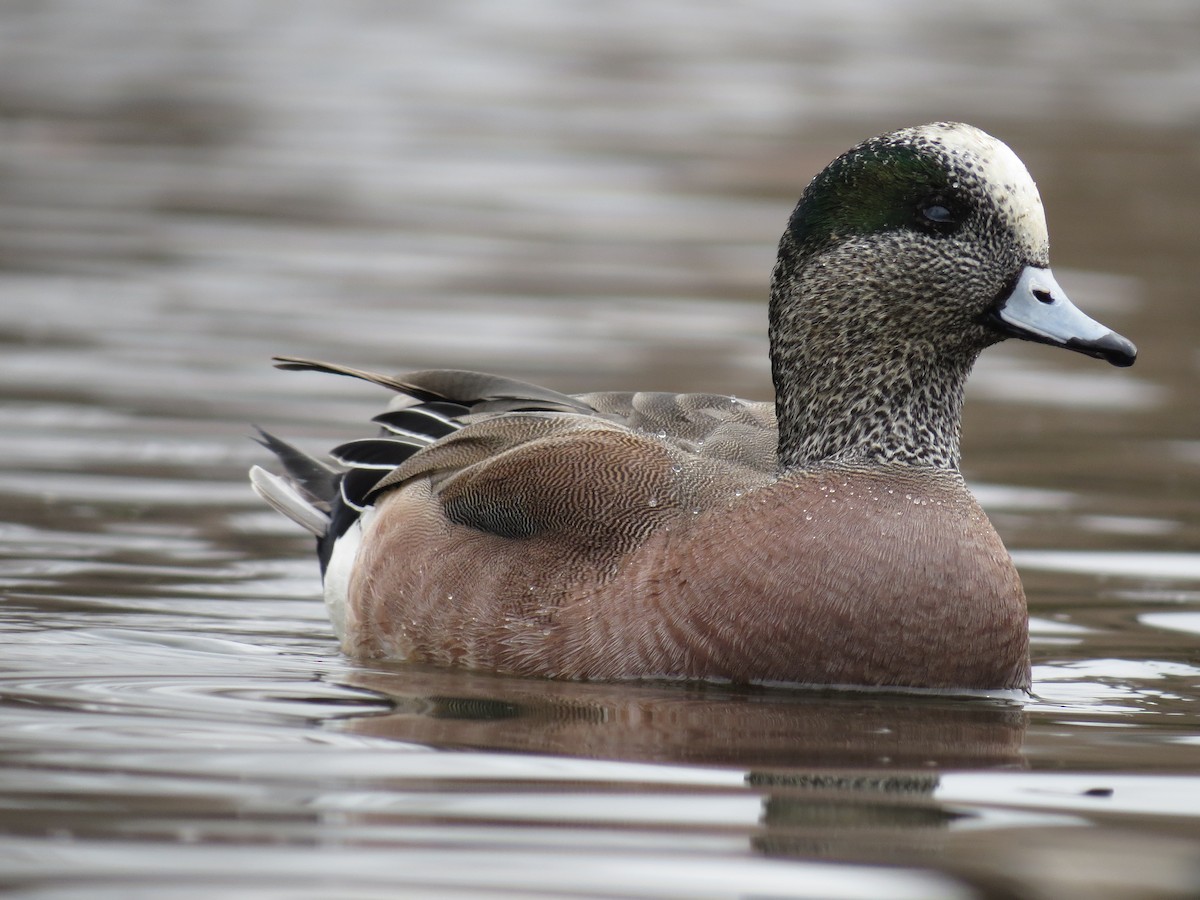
{"x":827,"y":538}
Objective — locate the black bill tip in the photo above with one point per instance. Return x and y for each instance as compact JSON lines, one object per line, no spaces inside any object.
{"x":1111,"y":348}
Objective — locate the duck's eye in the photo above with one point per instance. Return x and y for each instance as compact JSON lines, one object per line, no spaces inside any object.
{"x":937,"y":217}
{"x":937,"y":213}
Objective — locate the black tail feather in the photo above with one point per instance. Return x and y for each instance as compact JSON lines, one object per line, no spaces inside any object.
{"x":316,"y":479}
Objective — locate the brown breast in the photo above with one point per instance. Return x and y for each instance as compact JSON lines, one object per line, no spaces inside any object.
{"x":864,"y":578}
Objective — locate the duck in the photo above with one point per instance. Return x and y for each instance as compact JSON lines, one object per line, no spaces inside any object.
{"x":825,"y":538}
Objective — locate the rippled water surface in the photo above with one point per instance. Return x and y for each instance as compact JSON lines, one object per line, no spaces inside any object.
{"x":588,"y":195}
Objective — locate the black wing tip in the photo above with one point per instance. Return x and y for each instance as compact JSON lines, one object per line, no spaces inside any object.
{"x":376,"y":453}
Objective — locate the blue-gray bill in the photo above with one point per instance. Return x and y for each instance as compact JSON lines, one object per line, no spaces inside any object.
{"x":1037,"y":309}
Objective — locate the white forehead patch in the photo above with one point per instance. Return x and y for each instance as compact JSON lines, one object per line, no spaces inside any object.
{"x":997,"y":165}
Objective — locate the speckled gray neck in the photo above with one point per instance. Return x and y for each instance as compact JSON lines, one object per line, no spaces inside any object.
{"x":889,"y":262}
{"x":873,"y":398}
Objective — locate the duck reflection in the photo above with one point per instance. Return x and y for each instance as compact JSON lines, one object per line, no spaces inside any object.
{"x":751,"y":728}
{"x":838,"y":775}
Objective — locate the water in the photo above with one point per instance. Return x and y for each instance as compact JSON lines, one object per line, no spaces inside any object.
{"x":590,"y":196}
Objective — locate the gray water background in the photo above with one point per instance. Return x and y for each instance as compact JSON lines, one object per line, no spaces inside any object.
{"x":587,"y":195}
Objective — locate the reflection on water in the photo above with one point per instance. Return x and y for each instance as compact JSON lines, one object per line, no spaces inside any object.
{"x":703,"y":725}
{"x":588,"y":196}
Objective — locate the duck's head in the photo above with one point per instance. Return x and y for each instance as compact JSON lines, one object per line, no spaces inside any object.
{"x":905,"y":257}
{"x":945,"y":222}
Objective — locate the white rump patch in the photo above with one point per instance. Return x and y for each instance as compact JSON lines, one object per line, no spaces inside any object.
{"x":341,"y":565}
